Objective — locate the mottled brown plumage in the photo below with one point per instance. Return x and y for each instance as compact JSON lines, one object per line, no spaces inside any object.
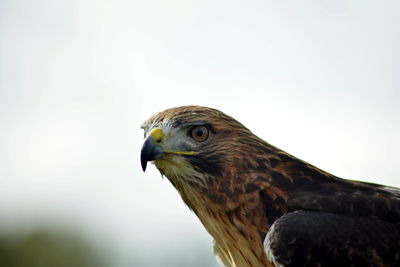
{"x":264,"y":207}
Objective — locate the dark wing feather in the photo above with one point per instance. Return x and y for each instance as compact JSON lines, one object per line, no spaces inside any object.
{"x":348,"y":197}
{"x":307,"y":238}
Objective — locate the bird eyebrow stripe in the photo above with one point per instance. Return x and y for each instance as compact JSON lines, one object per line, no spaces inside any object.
{"x":192,"y":123}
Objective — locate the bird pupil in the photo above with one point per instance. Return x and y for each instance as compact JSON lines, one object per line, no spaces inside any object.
{"x":199,"y":133}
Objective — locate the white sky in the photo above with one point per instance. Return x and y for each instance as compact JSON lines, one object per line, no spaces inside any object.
{"x":319,"y":79}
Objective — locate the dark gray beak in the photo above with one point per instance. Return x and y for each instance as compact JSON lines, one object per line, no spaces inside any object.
{"x":150,"y":151}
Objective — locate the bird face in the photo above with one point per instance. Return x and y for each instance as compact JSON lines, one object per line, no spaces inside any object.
{"x":197,"y":144}
{"x":171,"y":145}
{"x":191,"y":142}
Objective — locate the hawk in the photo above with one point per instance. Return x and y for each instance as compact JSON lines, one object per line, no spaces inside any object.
{"x":264,"y":207}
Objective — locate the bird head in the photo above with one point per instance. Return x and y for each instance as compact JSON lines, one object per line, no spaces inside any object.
{"x":193,"y":143}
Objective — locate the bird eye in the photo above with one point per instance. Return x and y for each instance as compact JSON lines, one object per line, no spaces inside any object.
{"x":200,"y":133}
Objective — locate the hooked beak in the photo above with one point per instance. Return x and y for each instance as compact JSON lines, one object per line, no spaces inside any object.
{"x":152,"y":149}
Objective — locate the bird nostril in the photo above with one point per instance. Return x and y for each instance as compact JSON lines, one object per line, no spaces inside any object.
{"x":158,"y":139}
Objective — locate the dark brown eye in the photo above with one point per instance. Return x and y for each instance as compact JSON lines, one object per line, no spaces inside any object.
{"x":200,"y":133}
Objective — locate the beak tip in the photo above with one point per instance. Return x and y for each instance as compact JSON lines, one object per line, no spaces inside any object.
{"x":143,"y":161}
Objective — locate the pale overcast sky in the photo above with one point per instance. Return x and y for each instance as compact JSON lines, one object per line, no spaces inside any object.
{"x":319,"y":79}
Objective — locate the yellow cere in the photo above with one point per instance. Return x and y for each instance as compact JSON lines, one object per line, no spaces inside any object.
{"x":157,"y":134}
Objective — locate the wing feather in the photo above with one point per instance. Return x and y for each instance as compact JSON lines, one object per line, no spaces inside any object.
{"x":307,"y":238}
